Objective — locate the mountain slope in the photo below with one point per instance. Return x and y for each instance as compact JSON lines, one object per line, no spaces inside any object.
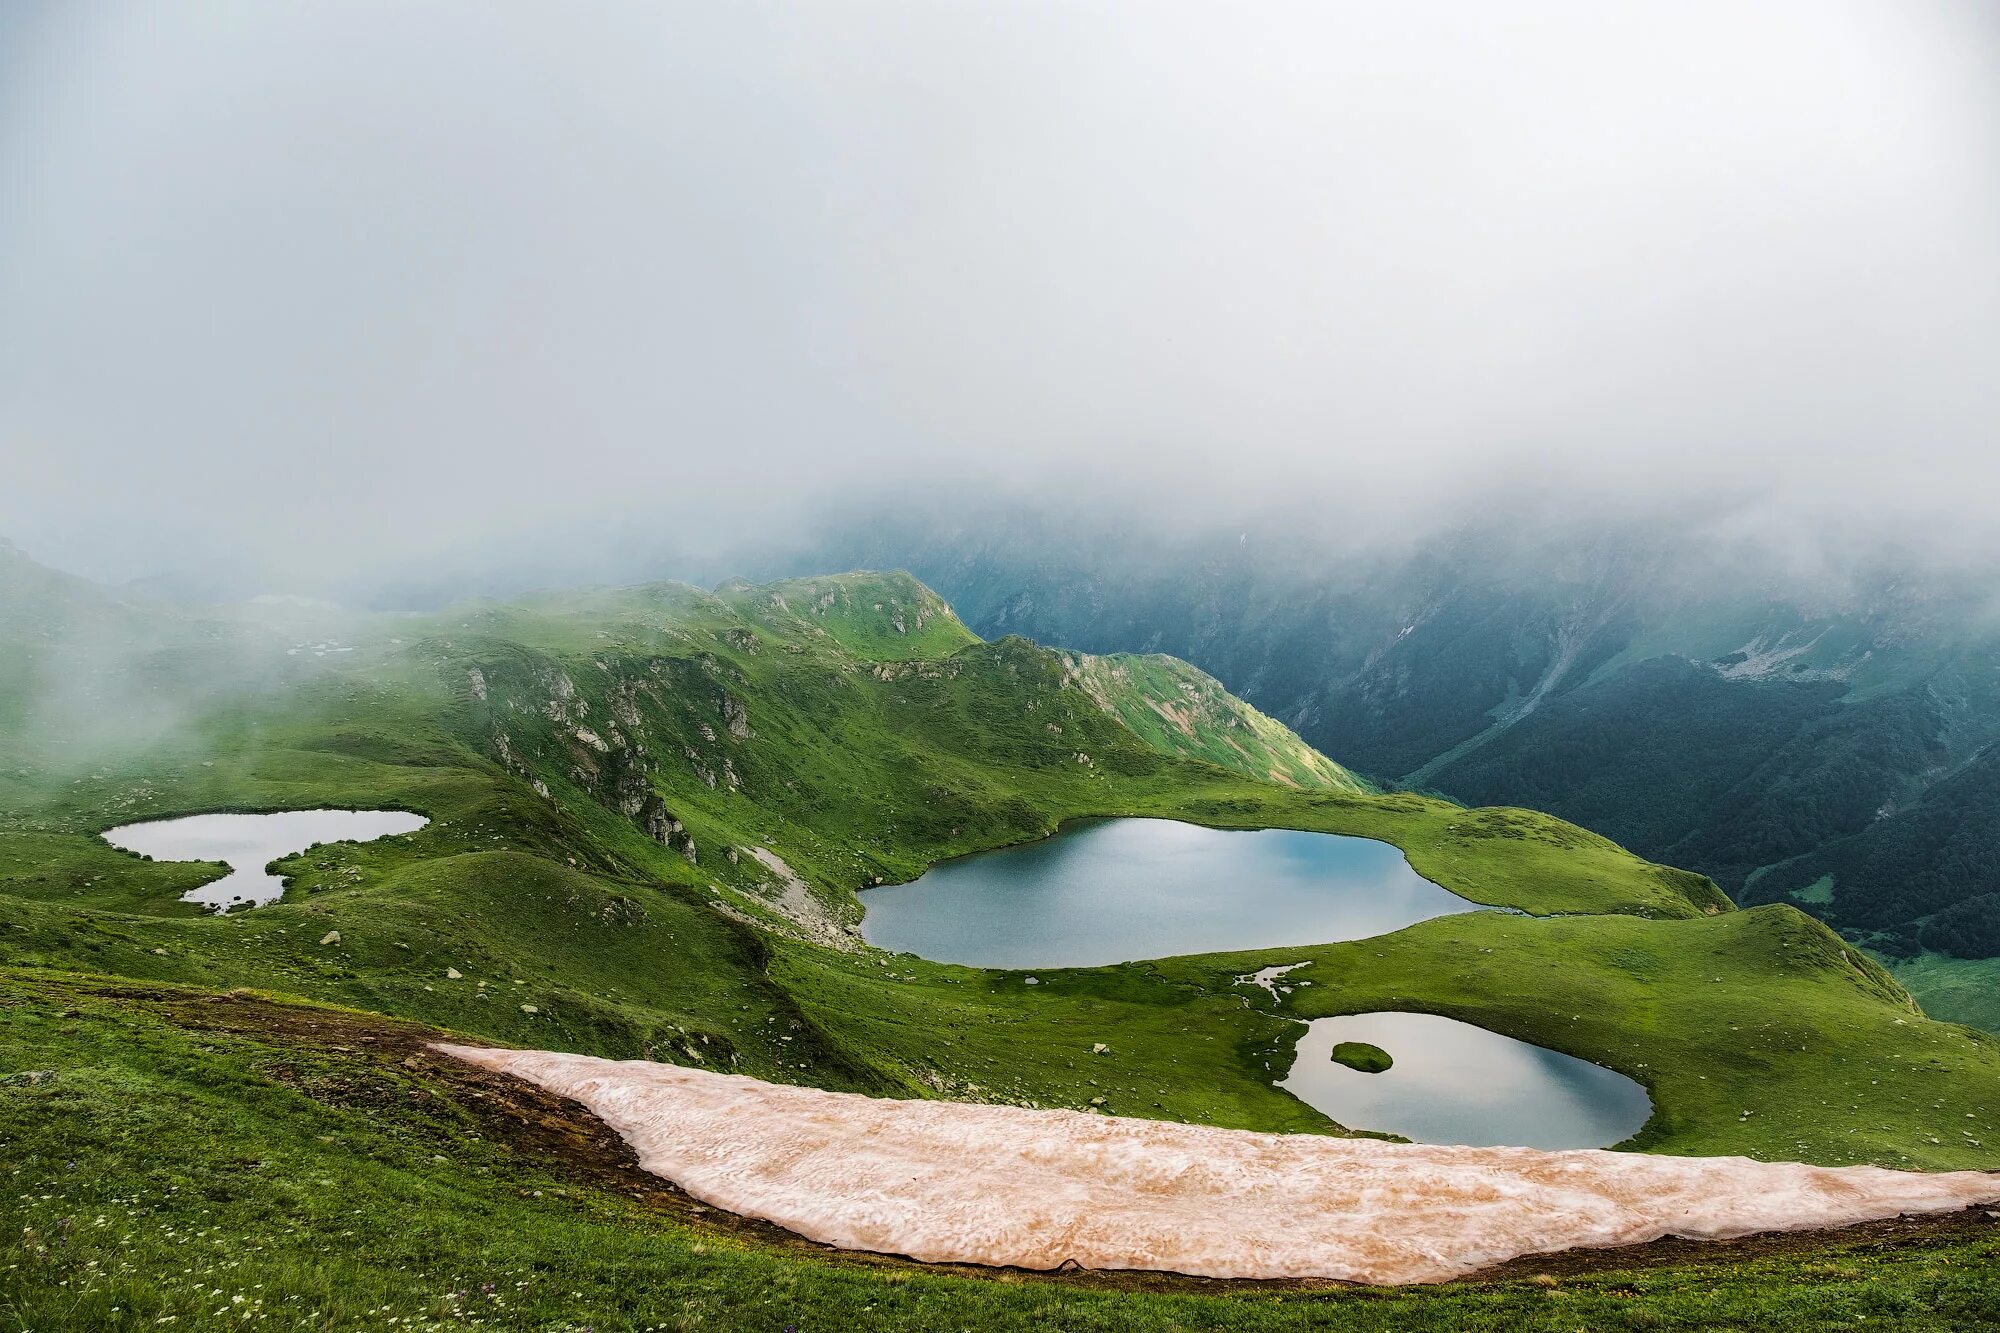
{"x":885,"y":617}
{"x":87,"y":673}
{"x":1721,"y":776}
{"x":1179,"y":709}
{"x":651,"y":809}
{"x":1708,"y":714}
{"x":1923,"y":876}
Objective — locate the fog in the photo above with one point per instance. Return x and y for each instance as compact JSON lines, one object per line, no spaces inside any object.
{"x":348,"y":295}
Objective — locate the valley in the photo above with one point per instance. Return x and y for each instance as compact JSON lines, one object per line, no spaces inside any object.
{"x":944,"y":668}
{"x":1823,"y":740}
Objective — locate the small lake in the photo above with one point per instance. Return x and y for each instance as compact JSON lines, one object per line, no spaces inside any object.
{"x":249,"y":843}
{"x":1456,"y":1083}
{"x":1115,"y":890}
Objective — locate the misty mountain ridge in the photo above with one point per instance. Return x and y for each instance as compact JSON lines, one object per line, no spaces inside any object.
{"x":1833,"y":742}
{"x":95,"y":672}
{"x":1784,"y":734}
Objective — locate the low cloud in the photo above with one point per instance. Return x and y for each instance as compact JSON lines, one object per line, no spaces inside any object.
{"x":380,"y":295}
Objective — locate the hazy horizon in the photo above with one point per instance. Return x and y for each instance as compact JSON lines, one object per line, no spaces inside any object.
{"x":353,"y":295}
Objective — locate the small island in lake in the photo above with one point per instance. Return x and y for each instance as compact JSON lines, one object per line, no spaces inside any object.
{"x":1361,"y":1055}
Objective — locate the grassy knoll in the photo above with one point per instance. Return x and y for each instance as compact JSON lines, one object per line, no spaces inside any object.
{"x":1365,"y":1057}
{"x":219,"y":1162}
{"x":1177,"y":1051}
{"x":1763,"y":1011}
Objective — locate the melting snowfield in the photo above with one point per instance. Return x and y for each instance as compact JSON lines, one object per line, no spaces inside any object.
{"x":948,"y":1182}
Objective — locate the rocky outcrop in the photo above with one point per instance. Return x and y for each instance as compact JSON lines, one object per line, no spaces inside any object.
{"x":603,"y":736}
{"x":787,"y":893}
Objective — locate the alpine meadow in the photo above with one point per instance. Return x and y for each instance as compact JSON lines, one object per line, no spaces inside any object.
{"x":914,"y":666}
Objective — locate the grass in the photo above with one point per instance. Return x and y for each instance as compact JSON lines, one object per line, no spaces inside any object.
{"x":1177,"y":709}
{"x":1958,"y":990}
{"x":1758,"y":1033}
{"x":599,"y":768}
{"x":203,"y":1162}
{"x":1362,"y":1056}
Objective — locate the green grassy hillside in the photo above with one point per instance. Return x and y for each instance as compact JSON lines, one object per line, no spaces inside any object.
{"x":1180,"y":710}
{"x":1764,"y":728}
{"x":179,"y":1159}
{"x":651,"y":811}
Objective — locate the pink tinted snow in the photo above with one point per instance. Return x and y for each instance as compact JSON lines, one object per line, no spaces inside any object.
{"x":952,"y":1182}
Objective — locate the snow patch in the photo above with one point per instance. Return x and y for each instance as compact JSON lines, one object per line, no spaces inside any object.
{"x":952,"y":1182}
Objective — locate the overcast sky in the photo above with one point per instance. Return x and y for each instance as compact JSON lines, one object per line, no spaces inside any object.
{"x":356,"y":284}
